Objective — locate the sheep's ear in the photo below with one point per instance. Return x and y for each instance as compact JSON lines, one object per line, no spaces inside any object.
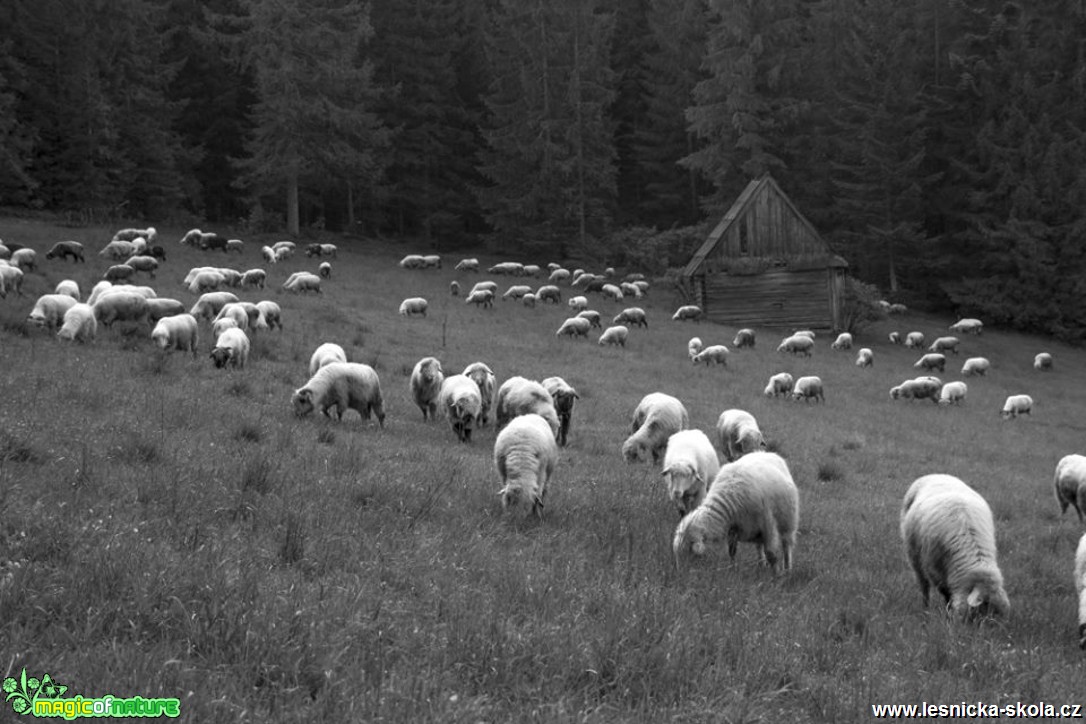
{"x":975,"y":599}
{"x":666,"y":472}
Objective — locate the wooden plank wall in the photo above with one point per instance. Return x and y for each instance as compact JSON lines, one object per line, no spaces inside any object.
{"x":773,"y":230}
{"x":773,"y":299}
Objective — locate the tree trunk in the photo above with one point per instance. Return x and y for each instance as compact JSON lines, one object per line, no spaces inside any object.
{"x":292,"y":203}
{"x":350,"y":208}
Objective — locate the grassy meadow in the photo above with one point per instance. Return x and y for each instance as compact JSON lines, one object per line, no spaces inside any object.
{"x":168,"y":529}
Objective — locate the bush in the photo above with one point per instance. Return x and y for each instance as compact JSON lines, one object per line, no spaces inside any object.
{"x":860,"y":305}
{"x":646,"y":249}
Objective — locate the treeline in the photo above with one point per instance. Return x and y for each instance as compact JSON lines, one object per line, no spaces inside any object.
{"x":938,"y":145}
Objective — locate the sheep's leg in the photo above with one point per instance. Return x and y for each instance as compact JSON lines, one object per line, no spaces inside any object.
{"x":733,"y":545}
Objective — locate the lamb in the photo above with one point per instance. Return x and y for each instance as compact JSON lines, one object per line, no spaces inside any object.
{"x":614,"y":336}
{"x":343,"y":386}
{"x":412,"y":306}
{"x":467,"y":265}
{"x":931,"y":361}
{"x":206,"y":281}
{"x":147,"y":264}
{"x":462,"y":403}
{"x":953,"y":393}
{"x":210,"y":304}
{"x":519,"y":396}
{"x":454,"y":288}
{"x":690,"y":464}
{"x":50,"y":309}
{"x":324,"y":271}
{"x":119,"y":273}
{"x":744,"y":338}
{"x":271,"y":314}
{"x":797,"y":344}
{"x":516,"y":291}
{"x":865,"y":358}
{"x":564,"y":397}
{"x":657,"y":417}
{"x":525,"y":455}
{"x":24,"y":259}
{"x":574,"y":327}
{"x":967,"y":326}
{"x":79,"y":324}
{"x":737,"y":433}
{"x":694,"y":346}
{"x":1080,"y":588}
{"x":578,"y":304}
{"x":11,"y":279}
{"x":425,"y":385}
{"x":687,"y":311}
{"x":158,"y":308}
{"x":68,"y":287}
{"x":592,"y":316}
{"x":232,"y":346}
{"x":510,"y":268}
{"x":558,"y":276}
{"x":949,"y":537}
{"x":65,"y":249}
{"x":118,"y":250}
{"x":751,"y":500}
{"x":1017,"y":405}
{"x":914,"y":340}
{"x":549,"y":293}
{"x":843,"y":341}
{"x":484,"y":379}
{"x":325,"y":354}
{"x":120,"y":305}
{"x":808,"y":388}
{"x":268,"y":254}
{"x":180,"y":332}
{"x":1042,"y":362}
{"x":895,"y":337}
{"x":253,"y":278}
{"x":976,"y":366}
{"x":632,"y":316}
{"x":480,"y":297}
{"x":717,"y":353}
{"x":780,"y":384}
{"x":611,"y":291}
{"x":945,"y":344}
{"x":1070,"y":484}
{"x":920,"y":388}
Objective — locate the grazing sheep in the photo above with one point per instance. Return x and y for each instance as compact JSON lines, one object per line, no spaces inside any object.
{"x":694,"y":346}
{"x":737,"y":434}
{"x":578,"y":304}
{"x":118,"y":250}
{"x":132,"y":234}
{"x":744,"y":338}
{"x":843,"y":341}
{"x":529,"y":300}
{"x":454,"y":288}
{"x":158,"y":252}
{"x":558,"y":276}
{"x":509,"y":268}
{"x":531,"y":270}
{"x":467,"y":265}
{"x":209,"y":305}
{"x":480,"y":297}
{"x":325,"y":354}
{"x":232,"y":346}
{"x":413,"y":305}
{"x":24,"y":259}
{"x":632,"y":316}
{"x":931,"y":361}
{"x":50,"y":309}
{"x":549,"y":293}
{"x":268,"y":254}
{"x":11,"y":280}
{"x":140,"y":246}
{"x":574,"y":327}
{"x":865,"y":357}
{"x":160,"y":307}
{"x":96,"y":291}
{"x":780,"y":384}
{"x":642,"y":285}
{"x":303,"y":282}
{"x":967,"y":326}
{"x":945,"y":344}
{"x":344,"y":386}
{"x":797,"y":344}
{"x":212,"y":241}
{"x":253,"y":278}
{"x":897,"y":309}
{"x":221,"y":325}
{"x":976,"y":366}
{"x":271,"y":314}
{"x":1017,"y":405}
{"x":592,"y":316}
{"x":1043,"y":362}
{"x":324,"y":271}
{"x":564,"y":397}
{"x":751,"y":500}
{"x":895,"y":337}
{"x":205,"y":281}
{"x":147,"y":264}
{"x":320,"y":250}
{"x":484,"y":379}
{"x":79,"y":324}
{"x":953,"y":393}
{"x":1080,"y":589}
{"x":920,"y":388}
{"x":611,"y":291}
{"x":808,"y":388}
{"x":119,"y":273}
{"x":690,"y":464}
{"x":688,"y":311}
{"x":1070,"y":483}
{"x":431,"y":261}
{"x":519,"y":396}
{"x":657,"y":417}
{"x":68,"y":287}
{"x":525,"y":455}
{"x":614,"y":336}
{"x":914,"y":340}
{"x":489,"y":286}
{"x":462,"y":403}
{"x":236,"y":246}
{"x":949,"y":538}
{"x":180,"y":332}
{"x":120,"y":306}
{"x":425,"y":386}
{"x":717,"y":353}
{"x":516,"y":291}
{"x":808,"y":333}
{"x":65,"y":249}
{"x":631,"y":290}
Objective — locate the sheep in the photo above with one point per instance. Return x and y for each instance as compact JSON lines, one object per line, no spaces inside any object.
{"x":558,"y":276}
{"x":609,"y":272}
{"x":157,"y":252}
{"x":694,"y":346}
{"x":843,"y":341}
{"x":1080,"y":588}
{"x":120,"y":305}
{"x":797,"y":344}
{"x":614,"y":336}
{"x":271,"y":314}
{"x":574,"y":327}
{"x":412,"y":306}
{"x":1070,"y":484}
{"x":119,"y":273}
{"x":343,"y":386}
{"x":324,"y":271}
{"x":280,"y":246}
{"x":158,"y":308}
{"x":519,"y":396}
{"x":967,"y":326}
{"x":431,"y":261}
{"x":489,"y":286}
{"x":952,"y":393}
{"x":634,"y":277}
{"x":232,"y":346}
{"x":593,"y":317}
{"x":192,"y":273}
{"x":780,"y":384}
{"x":221,"y":325}
{"x":79,"y":324}
{"x":303,"y":282}
{"x":690,"y":464}
{"x":688,"y":311}
{"x":5,"y":252}
{"x":132,"y":234}
{"x":96,"y":291}
{"x":320,"y":250}
{"x":744,"y":338}
{"x":865,"y":357}
{"x":210,"y":304}
{"x":326,"y":353}
{"x":236,"y":246}
{"x":931,"y":361}
{"x":65,"y":249}
{"x":914,"y":340}
{"x":462,"y":404}
{"x":578,"y":304}
{"x":1017,"y":405}
{"x":612,"y":292}
{"x":657,"y":417}
{"x":24,"y":260}
{"x":921,"y":388}
{"x":737,"y":434}
{"x":484,"y":379}
{"x":717,"y":353}
{"x":808,"y":333}
{"x":525,"y":455}
{"x":751,"y":500}
{"x":206,"y":281}
{"x":454,"y":288}
{"x":949,"y":538}
{"x":897,"y":309}
{"x":564,"y":397}
{"x":68,"y":287}
{"x":529,"y":300}
{"x":549,"y":293}
{"x":633,"y":316}
{"x":11,"y":280}
{"x":467,"y":265}
{"x":516,"y":291}
{"x":945,"y":344}
{"x":50,"y":309}
{"x":642,"y":286}
{"x":139,"y":246}
{"x":808,"y":388}
{"x":253,"y":278}
{"x":510,"y":268}
{"x":895,"y":337}
{"x":631,"y":290}
{"x":976,"y":366}
{"x":212,"y":241}
{"x":531,"y":270}
{"x":480,"y":297}
{"x":268,"y":254}
{"x":118,"y":250}
{"x":180,"y":332}
{"x":1042,"y":362}
{"x":147,"y":264}
{"x":425,"y":385}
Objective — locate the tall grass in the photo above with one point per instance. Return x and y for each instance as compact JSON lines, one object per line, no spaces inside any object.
{"x":169,"y":529}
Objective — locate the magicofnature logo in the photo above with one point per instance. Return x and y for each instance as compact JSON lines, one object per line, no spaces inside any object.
{"x":42,"y":698}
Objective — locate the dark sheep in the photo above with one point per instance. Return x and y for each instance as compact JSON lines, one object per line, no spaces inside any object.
{"x":64,"y":249}
{"x":213,"y":241}
{"x":157,"y":252}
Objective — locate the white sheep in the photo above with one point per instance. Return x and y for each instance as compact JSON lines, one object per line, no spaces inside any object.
{"x":180,"y":332}
{"x":1043,"y":362}
{"x":211,"y":303}
{"x":744,"y":338}
{"x":797,"y":344}
{"x":897,"y":309}
{"x":1017,"y":405}
{"x":325,"y":354}
{"x":549,"y":293}
{"x":254,"y":278}
{"x":49,"y":310}
{"x":894,"y":337}
{"x":462,"y":404}
{"x":737,"y":434}
{"x":751,"y":500}
{"x":945,"y":344}
{"x":324,"y":271}
{"x":519,"y":396}
{"x":967,"y":326}
{"x":488,"y":285}
{"x":270,"y":314}
{"x":525,"y":455}
{"x":574,"y":327}
{"x":231,"y":347}
{"x":119,"y":273}
{"x":694,"y":346}
{"x":808,"y":333}
{"x":1080,"y":589}
{"x":931,"y":361}
{"x":205,"y":281}
{"x":952,"y":393}
{"x":221,"y":325}
{"x":11,"y":280}
{"x":976,"y":366}
{"x":96,"y":291}
{"x":236,"y":246}
{"x":531,"y":270}
{"x":431,"y":261}
{"x":24,"y":259}
{"x":641,"y":284}
{"x":510,"y":268}
{"x":516,"y":291}
{"x":467,"y":265}
{"x":717,"y":353}
{"x":949,"y":537}
{"x":425,"y":385}
{"x":612,"y":292}
{"x":781,"y":383}
{"x":593,"y":317}
{"x":687,"y":311}
{"x":234,"y":311}
{"x":657,"y":417}
{"x":413,"y":305}
{"x":865,"y":357}
{"x":118,"y":250}
{"x":808,"y":388}
{"x":79,"y":324}
{"x":283,"y":253}
{"x":690,"y":464}
{"x":914,"y":340}
{"x":119,"y":305}
{"x":454,"y":288}
{"x":631,"y":290}
{"x":68,"y":287}
{"x":484,"y":379}
{"x":192,"y":237}
{"x":843,"y":341}
{"x":1070,"y":484}
{"x":480,"y":297}
{"x":303,"y":282}
{"x":564,"y":397}
{"x":578,"y":303}
{"x":615,"y":336}
{"x":268,"y":254}
{"x":147,"y":264}
{"x":633,"y":316}
{"x":343,"y":386}
{"x":921,"y":388}
{"x":130,"y":234}
{"x":529,"y":300}
{"x":558,"y":276}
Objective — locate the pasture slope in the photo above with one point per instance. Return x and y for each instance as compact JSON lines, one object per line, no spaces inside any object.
{"x":169,"y":529}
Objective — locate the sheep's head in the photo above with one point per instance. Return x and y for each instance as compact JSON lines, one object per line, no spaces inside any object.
{"x":986,"y":598}
{"x":519,"y":502}
{"x":633,"y":450}
{"x":161,"y":338}
{"x":685,"y":486}
{"x":221,"y":355}
{"x":689,"y":538}
{"x":302,"y":401}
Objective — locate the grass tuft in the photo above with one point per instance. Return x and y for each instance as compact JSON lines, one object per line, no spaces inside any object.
{"x":19,"y":450}
{"x":830,"y":471}
{"x":256,"y":476}
{"x":239,"y":387}
{"x":326,"y":436}
{"x":292,"y":542}
{"x":249,"y":431}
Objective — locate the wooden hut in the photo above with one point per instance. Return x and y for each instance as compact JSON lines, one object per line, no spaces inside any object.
{"x":765,"y":265}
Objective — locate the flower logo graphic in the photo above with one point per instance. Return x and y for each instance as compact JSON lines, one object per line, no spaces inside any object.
{"x":24,"y":691}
